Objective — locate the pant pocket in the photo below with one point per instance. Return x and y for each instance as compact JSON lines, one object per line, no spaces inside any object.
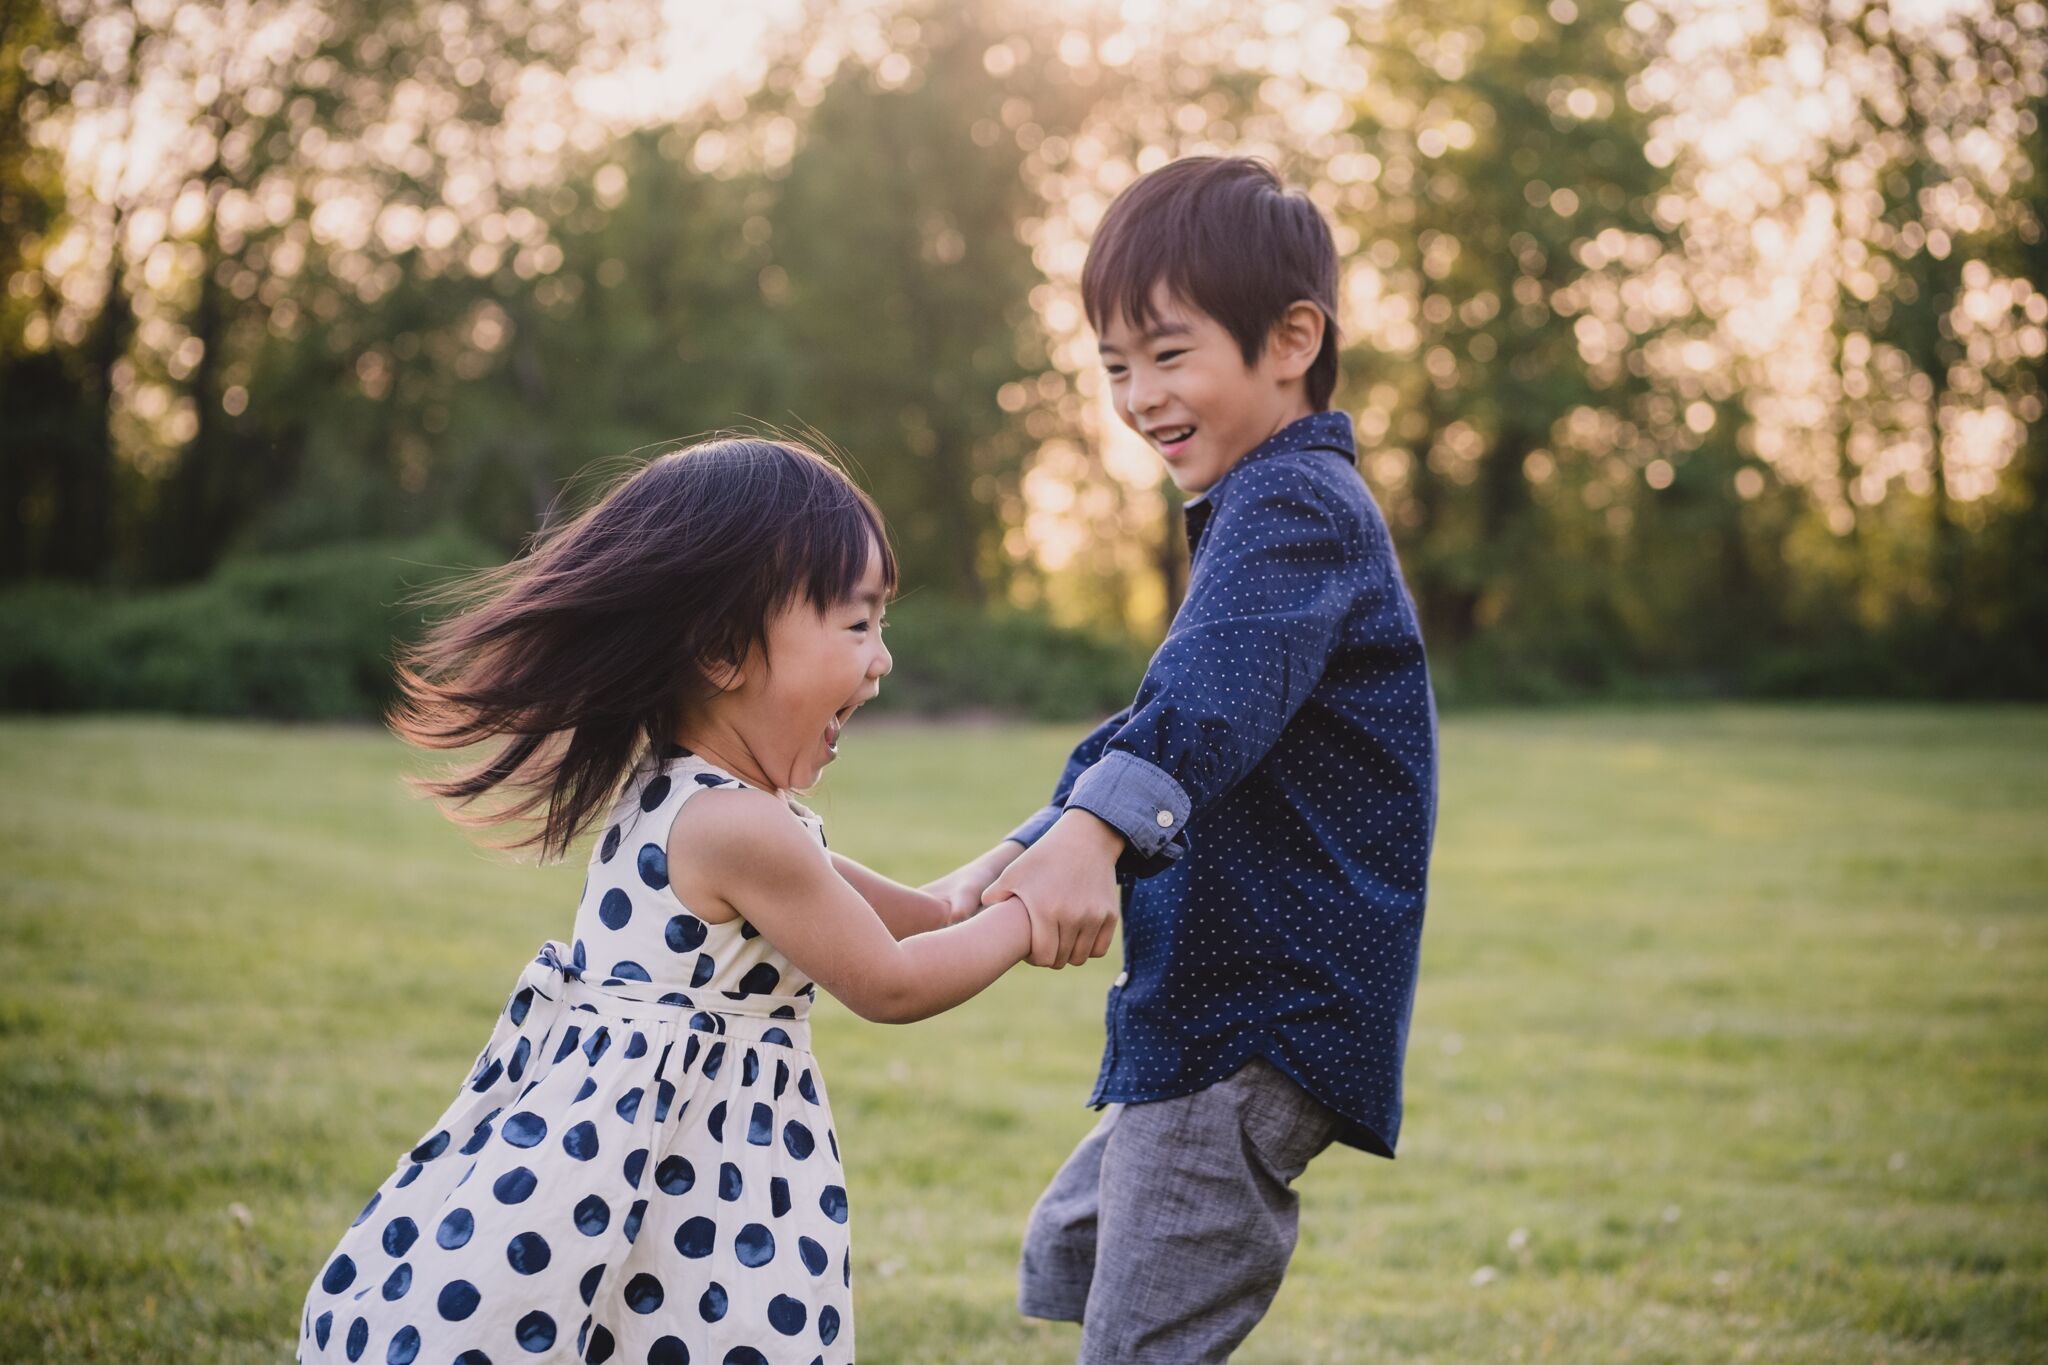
{"x":1285,"y":1125}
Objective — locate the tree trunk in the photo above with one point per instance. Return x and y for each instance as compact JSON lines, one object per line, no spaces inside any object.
{"x":195,"y":519}
{"x":1503,"y":488}
{"x":81,"y":541}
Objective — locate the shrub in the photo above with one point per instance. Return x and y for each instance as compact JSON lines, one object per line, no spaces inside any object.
{"x":951,"y":656}
{"x":310,"y":636}
{"x":305,"y":636}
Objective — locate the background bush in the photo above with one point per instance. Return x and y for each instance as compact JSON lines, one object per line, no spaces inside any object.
{"x":304,"y":636}
{"x":951,"y":656}
{"x":310,"y":636}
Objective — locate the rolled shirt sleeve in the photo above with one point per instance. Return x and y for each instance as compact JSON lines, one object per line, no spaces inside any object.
{"x":1083,"y":757}
{"x":1278,"y":572}
{"x":1140,"y":800}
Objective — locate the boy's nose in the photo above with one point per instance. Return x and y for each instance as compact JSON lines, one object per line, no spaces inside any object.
{"x":884,"y":663}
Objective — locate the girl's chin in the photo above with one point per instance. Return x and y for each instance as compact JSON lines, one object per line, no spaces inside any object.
{"x":811,"y":769}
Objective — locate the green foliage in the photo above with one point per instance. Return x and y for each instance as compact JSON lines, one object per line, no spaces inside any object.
{"x":350,"y":306}
{"x":306,"y":636}
{"x":311,"y":635}
{"x":952,"y":656}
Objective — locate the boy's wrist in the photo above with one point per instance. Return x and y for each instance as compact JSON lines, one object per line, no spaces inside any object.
{"x":1091,"y":831}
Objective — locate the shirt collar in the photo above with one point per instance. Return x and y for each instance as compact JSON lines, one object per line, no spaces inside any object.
{"x":1317,"y":431}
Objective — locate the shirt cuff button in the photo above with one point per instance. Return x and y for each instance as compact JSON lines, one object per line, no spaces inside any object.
{"x":1165,"y":819}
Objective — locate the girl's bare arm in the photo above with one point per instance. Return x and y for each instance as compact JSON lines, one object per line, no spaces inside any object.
{"x":766,"y":866}
{"x":905,"y":909}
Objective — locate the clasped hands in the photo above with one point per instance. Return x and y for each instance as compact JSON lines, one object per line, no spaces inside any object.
{"x":1066,"y":882}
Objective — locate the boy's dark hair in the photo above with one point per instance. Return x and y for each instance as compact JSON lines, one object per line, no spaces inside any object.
{"x":1225,"y":235}
{"x":582,"y":653}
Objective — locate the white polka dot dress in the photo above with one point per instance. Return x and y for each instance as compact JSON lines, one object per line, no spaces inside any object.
{"x":642,"y":1165}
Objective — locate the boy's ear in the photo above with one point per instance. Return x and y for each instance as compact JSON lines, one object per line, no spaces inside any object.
{"x":1296,"y":340}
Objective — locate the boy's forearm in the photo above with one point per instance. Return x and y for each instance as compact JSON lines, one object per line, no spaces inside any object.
{"x":1086,"y":833}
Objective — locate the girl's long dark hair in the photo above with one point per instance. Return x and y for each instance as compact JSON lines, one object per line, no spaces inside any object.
{"x":582,"y":653}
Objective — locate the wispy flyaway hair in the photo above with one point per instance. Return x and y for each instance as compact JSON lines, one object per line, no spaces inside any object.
{"x":581,"y":654}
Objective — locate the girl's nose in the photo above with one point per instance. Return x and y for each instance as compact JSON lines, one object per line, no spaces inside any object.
{"x":884,"y":662}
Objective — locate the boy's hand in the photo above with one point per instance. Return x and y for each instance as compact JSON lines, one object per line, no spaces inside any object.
{"x":961,"y":888}
{"x":1067,"y":881}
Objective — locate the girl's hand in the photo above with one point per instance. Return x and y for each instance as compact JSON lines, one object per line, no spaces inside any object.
{"x":962,"y":888}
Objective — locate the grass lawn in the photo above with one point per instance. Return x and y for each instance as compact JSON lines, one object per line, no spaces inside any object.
{"x":1732,"y":1042}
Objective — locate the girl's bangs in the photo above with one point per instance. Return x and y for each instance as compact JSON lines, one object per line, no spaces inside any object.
{"x":830,"y":553}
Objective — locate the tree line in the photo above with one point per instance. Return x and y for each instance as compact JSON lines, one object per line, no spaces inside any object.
{"x":1686,"y":351}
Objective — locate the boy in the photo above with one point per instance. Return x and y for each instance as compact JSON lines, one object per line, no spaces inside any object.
{"x":1267,"y":801}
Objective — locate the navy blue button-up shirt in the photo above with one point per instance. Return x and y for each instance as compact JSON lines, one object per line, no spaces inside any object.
{"x":1275,"y":780}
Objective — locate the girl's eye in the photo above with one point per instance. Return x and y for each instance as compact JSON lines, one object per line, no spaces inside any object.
{"x":1165,"y":356}
{"x":1115,"y":371}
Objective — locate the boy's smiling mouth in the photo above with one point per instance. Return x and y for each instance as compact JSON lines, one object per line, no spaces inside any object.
{"x":1171,"y":440}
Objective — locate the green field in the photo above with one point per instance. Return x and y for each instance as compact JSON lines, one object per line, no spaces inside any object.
{"x":1731,"y":1044}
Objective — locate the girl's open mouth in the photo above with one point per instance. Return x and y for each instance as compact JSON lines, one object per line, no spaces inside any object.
{"x":837,"y":725}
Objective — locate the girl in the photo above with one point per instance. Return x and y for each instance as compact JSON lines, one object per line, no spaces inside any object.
{"x":642,"y":1164}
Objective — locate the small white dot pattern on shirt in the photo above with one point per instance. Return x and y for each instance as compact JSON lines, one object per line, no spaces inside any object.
{"x":1291,"y":704}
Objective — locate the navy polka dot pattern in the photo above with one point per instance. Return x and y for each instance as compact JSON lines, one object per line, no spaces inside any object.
{"x":1275,"y":779}
{"x":583,"y":1198}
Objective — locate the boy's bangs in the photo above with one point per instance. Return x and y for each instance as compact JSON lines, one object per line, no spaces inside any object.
{"x":1225,"y":237}
{"x":1198,"y":267}
{"x":1125,"y":286}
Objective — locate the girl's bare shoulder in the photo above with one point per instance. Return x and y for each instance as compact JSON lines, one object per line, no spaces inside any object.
{"x":731,"y":839}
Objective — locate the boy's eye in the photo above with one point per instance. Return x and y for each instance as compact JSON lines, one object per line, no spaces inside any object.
{"x":1165,"y":356}
{"x":1115,"y":371}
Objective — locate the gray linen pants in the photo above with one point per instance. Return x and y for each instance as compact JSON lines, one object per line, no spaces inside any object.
{"x":1167,"y":1232}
